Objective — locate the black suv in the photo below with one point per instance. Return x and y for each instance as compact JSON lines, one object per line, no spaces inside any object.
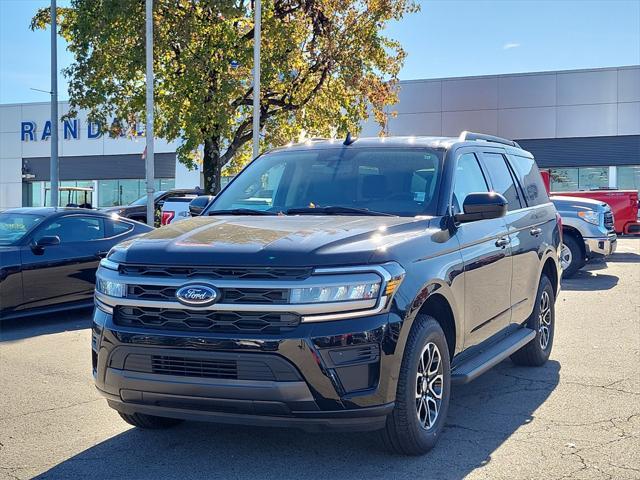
{"x":333,"y":284}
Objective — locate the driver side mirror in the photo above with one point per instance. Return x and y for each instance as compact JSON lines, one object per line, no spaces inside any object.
{"x":195,"y":210}
{"x":482,"y":206}
{"x":46,"y":241}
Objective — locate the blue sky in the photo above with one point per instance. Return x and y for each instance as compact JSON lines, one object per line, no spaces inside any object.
{"x":447,"y":38}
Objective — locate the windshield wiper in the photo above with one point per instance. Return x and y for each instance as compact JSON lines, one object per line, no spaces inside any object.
{"x":240,"y":211}
{"x":336,"y":210}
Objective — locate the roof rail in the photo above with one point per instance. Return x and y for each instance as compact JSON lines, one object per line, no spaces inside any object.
{"x":469,"y":136}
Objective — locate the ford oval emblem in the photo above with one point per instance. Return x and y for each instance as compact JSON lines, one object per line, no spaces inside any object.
{"x":197,"y":295}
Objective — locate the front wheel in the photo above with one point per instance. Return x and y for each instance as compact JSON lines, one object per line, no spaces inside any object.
{"x":422,"y":398}
{"x":571,"y":256}
{"x":542,"y":321}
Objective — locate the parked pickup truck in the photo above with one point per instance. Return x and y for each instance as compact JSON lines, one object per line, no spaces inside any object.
{"x":369,"y":276}
{"x":587,"y":227}
{"x":623,"y":203}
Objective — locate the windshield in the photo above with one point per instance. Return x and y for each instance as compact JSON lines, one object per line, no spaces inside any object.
{"x":394,"y":181}
{"x":143,"y":200}
{"x":14,"y":226}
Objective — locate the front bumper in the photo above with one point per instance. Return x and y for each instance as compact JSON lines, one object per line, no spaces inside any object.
{"x":338,"y":375}
{"x":601,"y":246}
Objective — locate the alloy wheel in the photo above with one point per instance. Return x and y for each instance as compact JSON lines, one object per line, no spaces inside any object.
{"x":565,"y":257}
{"x":544,"y":320}
{"x":429,"y":385}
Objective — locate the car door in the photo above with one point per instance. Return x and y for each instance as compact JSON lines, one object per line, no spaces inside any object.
{"x":486,"y":255}
{"x":522,"y":237}
{"x":63,"y":273}
{"x":531,"y":233}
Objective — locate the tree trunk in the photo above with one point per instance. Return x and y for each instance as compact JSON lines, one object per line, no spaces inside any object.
{"x":212,"y":166}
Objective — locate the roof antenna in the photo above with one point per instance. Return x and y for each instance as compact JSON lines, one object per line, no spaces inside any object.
{"x":349,"y":140}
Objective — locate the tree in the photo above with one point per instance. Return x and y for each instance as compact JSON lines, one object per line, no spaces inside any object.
{"x":326,"y":65}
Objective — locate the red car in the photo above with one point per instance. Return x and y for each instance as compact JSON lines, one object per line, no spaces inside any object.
{"x":624,"y":205}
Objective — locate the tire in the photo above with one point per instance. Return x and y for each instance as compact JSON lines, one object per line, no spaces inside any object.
{"x":406,"y":432}
{"x":149,"y":422}
{"x":573,"y":254}
{"x":536,"y":352}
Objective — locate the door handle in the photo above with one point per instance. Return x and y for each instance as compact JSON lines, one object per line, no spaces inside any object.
{"x":535,"y":231}
{"x":101,"y":254}
{"x":503,"y":242}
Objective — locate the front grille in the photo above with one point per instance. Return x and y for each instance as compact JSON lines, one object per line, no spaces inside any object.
{"x":211,"y":364}
{"x":216,"y":272}
{"x":205,"y":321}
{"x":608,"y":220}
{"x":266,"y":296}
{"x":194,"y":367}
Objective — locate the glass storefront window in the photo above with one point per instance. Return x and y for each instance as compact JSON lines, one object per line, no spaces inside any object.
{"x":126,"y":191}
{"x":564,"y":179}
{"x":129,"y":191}
{"x":108,"y":193}
{"x":579,"y":178}
{"x":629,"y":177}
{"x":592,"y":178}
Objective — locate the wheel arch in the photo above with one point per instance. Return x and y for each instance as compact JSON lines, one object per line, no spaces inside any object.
{"x":569,"y":230}
{"x":437,"y":299}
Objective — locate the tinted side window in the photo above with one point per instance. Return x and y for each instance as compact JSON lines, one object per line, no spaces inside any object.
{"x":502,"y":180}
{"x":527,"y":171}
{"x":468,"y":179}
{"x":74,"y":229}
{"x":118,"y":227}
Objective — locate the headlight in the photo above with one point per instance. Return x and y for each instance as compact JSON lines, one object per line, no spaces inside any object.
{"x":110,"y":264}
{"x":590,"y":216}
{"x":111,"y":288}
{"x":336,"y":293}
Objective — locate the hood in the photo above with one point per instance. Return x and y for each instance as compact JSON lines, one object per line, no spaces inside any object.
{"x":577,"y":202}
{"x":270,"y":241}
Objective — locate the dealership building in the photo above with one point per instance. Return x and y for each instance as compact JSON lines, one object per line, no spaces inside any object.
{"x":113,"y":167}
{"x":582,"y":125}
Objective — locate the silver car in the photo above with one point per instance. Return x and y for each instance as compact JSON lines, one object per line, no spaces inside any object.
{"x":587,"y":228}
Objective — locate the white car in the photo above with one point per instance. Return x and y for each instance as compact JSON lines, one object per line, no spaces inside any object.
{"x":175,"y":209}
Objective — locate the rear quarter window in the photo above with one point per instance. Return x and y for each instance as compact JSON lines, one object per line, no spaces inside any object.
{"x":529,"y":177}
{"x":118,"y":227}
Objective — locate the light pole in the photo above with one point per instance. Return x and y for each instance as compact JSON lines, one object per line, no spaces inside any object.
{"x":53,"y":177}
{"x":149,"y":165}
{"x":257,"y":20}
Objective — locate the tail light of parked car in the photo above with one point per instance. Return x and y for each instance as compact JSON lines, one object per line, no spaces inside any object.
{"x":559,"y":223}
{"x":167,"y":216}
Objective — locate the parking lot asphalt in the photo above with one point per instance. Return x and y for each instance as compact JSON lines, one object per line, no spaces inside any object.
{"x":577,"y":417}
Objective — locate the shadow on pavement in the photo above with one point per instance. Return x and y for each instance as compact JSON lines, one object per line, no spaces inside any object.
{"x":27,"y":327}
{"x":586,"y":280}
{"x":482,"y":416}
{"x":624,"y":257}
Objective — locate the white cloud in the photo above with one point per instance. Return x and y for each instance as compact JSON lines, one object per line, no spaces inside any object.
{"x":509,"y":46}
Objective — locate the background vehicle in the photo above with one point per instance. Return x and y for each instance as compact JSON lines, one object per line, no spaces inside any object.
{"x":48,"y":256}
{"x":369,"y":276}
{"x":175,"y":209}
{"x":138,"y":210}
{"x":623,"y":203}
{"x":587,"y":231}
{"x":81,"y":197}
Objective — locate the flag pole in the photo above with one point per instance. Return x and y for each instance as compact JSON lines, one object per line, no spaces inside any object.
{"x":55,"y":122}
{"x":148,"y":155}
{"x":257,"y":27}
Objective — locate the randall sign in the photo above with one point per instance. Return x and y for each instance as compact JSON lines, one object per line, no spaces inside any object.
{"x":71,"y":130}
